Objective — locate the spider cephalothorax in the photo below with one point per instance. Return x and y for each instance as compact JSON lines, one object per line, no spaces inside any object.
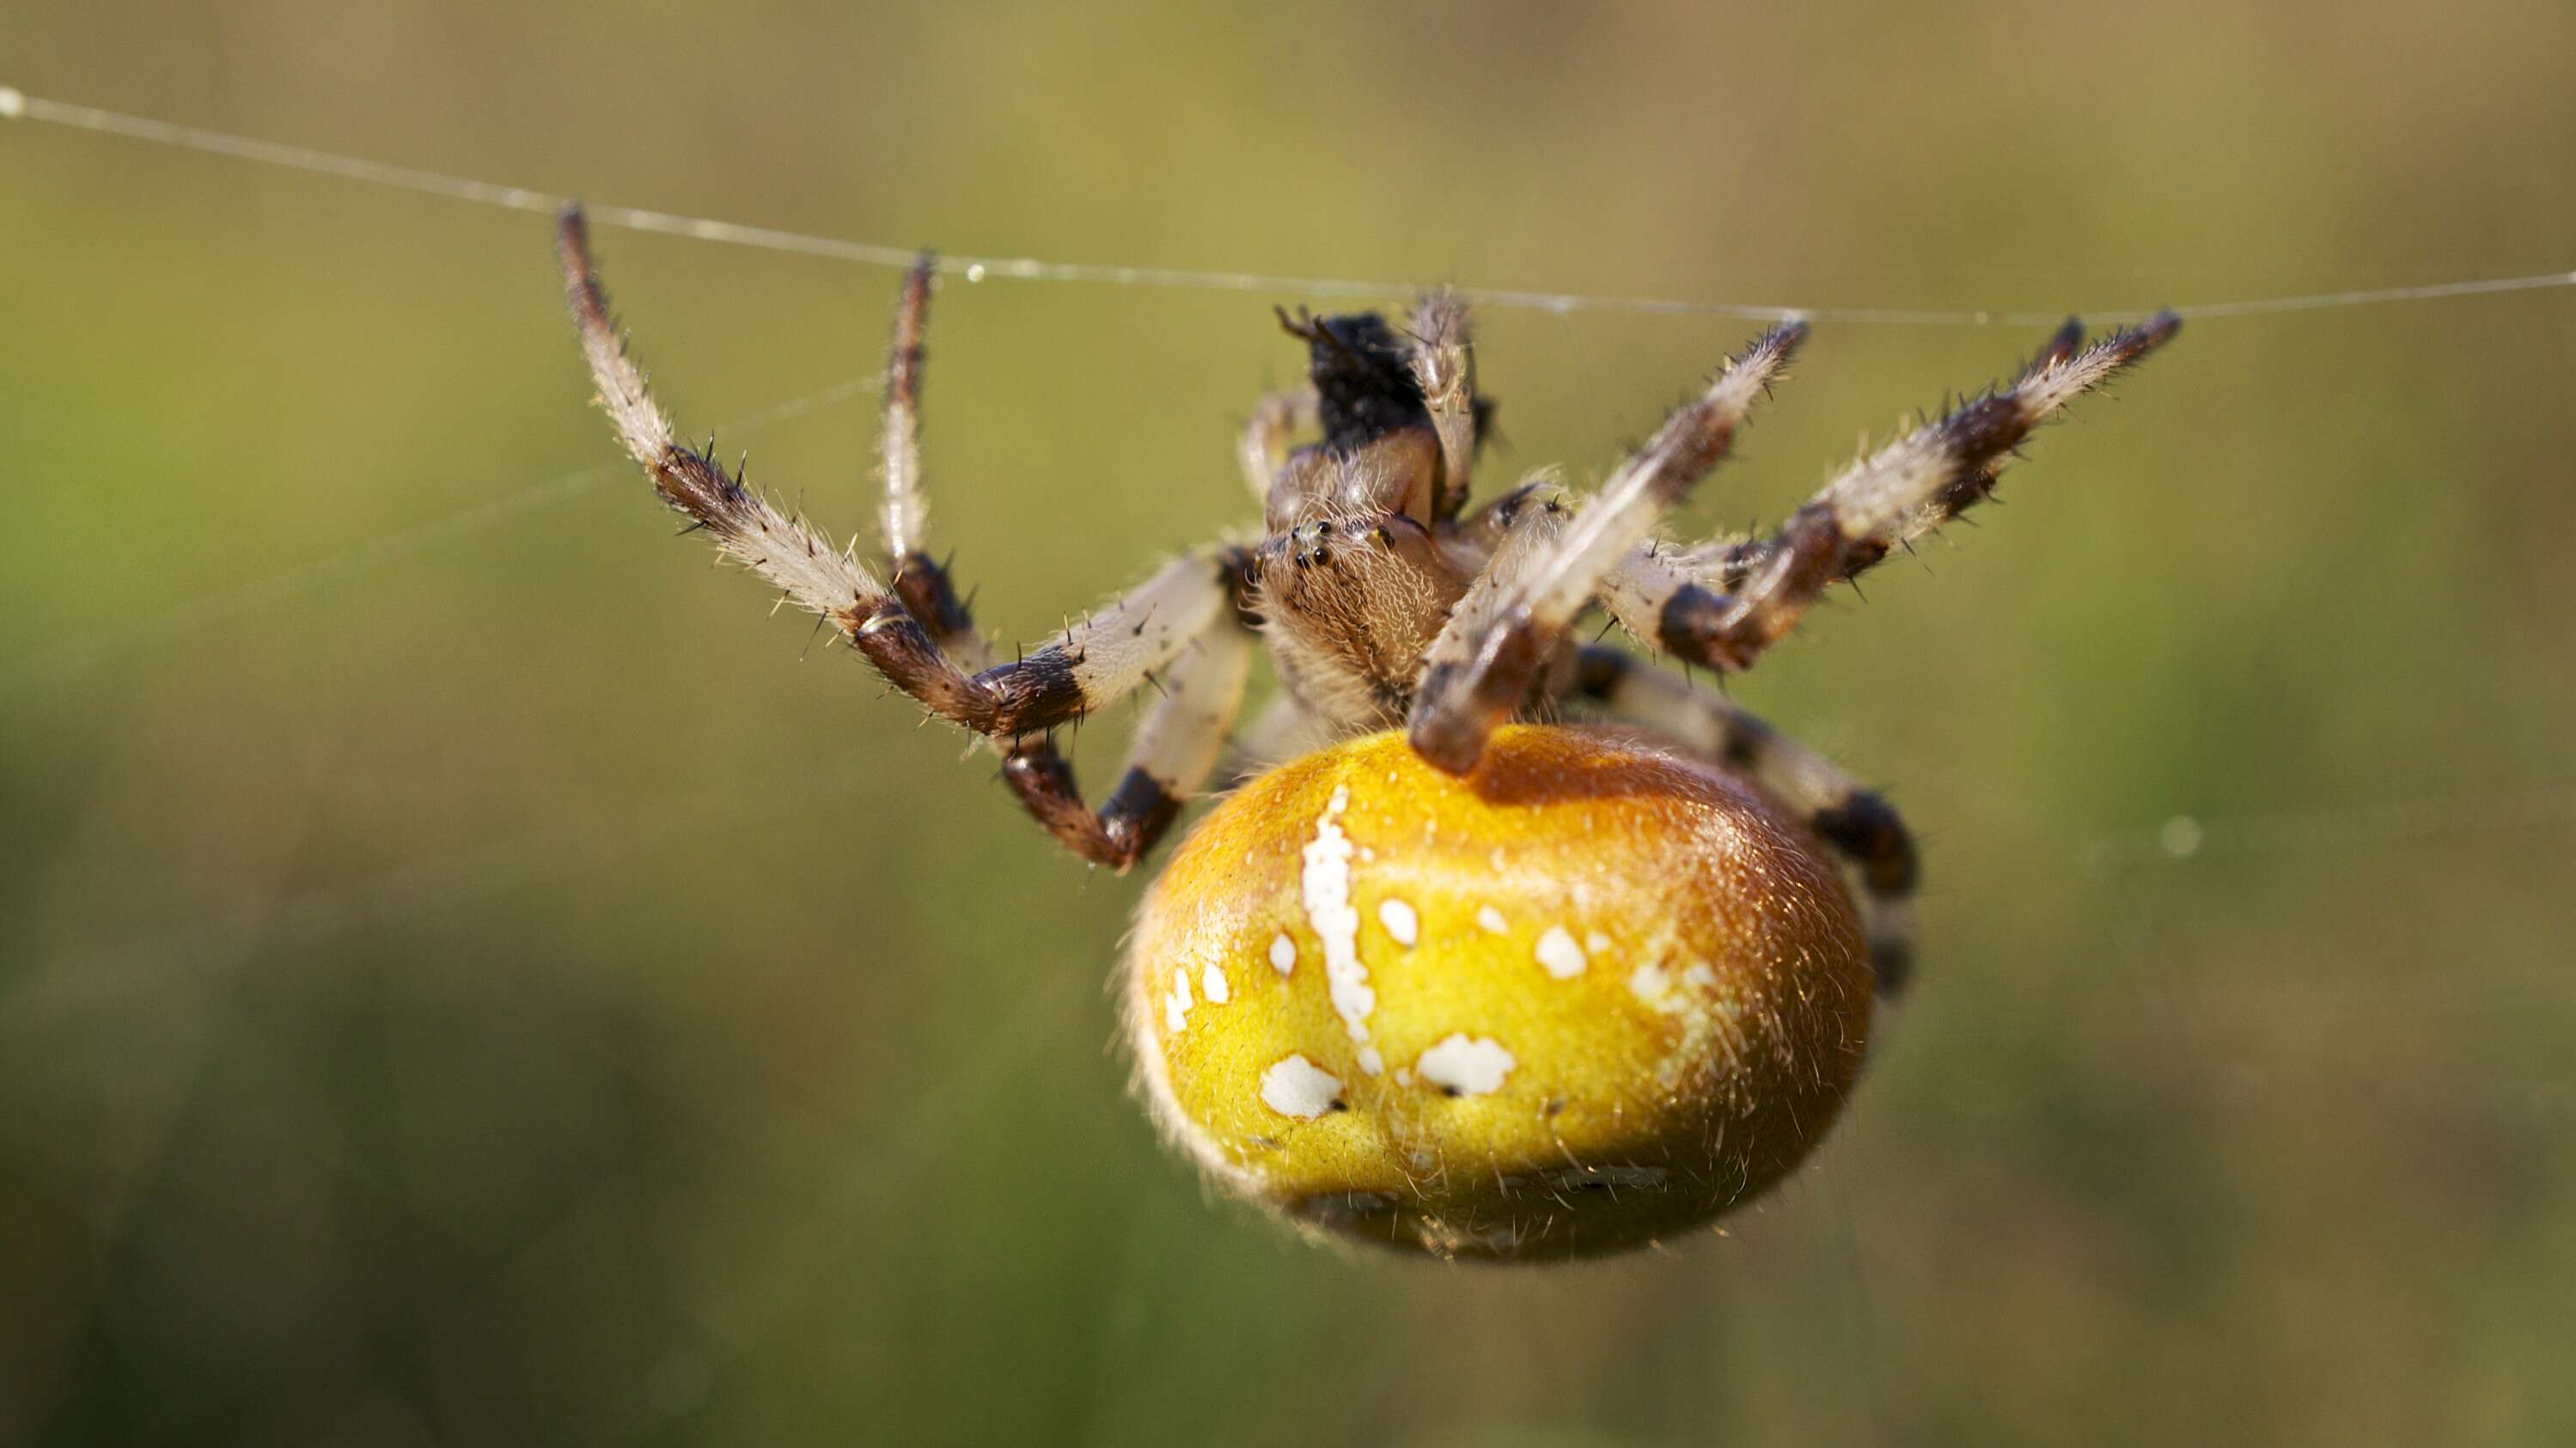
{"x":1483,"y":988}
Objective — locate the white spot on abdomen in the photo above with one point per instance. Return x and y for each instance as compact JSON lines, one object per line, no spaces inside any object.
{"x":1298,"y":1087}
{"x":1492,"y":920}
{"x":1557,"y":951}
{"x":1650,"y":983}
{"x":1212,"y":983}
{"x":1325,"y":884}
{"x":1176,"y":1006}
{"x":1283,"y":953}
{"x":1468,"y":1067}
{"x":1400,"y":921}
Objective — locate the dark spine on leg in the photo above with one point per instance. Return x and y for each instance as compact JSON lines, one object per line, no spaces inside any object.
{"x":929,"y":596}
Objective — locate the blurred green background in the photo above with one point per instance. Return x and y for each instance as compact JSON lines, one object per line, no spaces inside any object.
{"x":466,"y":977}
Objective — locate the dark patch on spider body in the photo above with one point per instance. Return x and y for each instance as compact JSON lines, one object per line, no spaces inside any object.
{"x":1363,"y":378}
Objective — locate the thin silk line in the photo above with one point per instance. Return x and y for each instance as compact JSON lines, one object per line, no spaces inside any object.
{"x":16,"y":104}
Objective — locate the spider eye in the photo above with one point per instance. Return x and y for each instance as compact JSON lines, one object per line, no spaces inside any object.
{"x":1591,"y":995}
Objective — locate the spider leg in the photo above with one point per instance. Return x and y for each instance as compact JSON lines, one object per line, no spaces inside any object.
{"x":1856,"y":823}
{"x":1442,"y":348}
{"x":1520,"y":532}
{"x":1725,"y":565}
{"x":1637,"y":592}
{"x":1176,"y":749}
{"x":1882,"y":502}
{"x":1481,"y":670}
{"x":1094,"y":663}
{"x":906,"y":513}
{"x":920,"y":581}
{"x":1263,"y":450}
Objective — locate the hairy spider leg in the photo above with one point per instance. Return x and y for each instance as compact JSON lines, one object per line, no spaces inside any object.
{"x":1897,"y":494}
{"x":1487,"y":660}
{"x":1095,"y":662}
{"x":1202,"y":687}
{"x":1175,"y":751}
{"x":1442,"y":349}
{"x":1726,"y":564}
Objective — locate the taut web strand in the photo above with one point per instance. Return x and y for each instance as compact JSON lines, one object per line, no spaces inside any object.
{"x":16,"y":105}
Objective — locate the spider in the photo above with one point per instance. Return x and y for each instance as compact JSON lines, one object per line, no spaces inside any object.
{"x":1443,"y":970}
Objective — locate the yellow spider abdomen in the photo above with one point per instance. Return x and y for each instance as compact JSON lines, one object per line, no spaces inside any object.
{"x":1590,"y":995}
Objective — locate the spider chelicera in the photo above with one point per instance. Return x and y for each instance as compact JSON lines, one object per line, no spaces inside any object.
{"x":1496,"y":984}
